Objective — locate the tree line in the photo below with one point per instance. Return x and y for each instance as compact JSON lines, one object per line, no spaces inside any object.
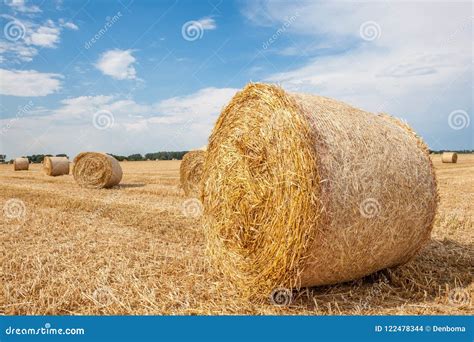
{"x":457,"y":151}
{"x":167,"y":155}
{"x":38,"y":158}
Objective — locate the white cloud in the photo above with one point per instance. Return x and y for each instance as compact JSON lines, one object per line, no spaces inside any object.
{"x":20,"y":6}
{"x":177,"y":123}
{"x":21,"y":52}
{"x":68,"y":24}
{"x":204,"y":104}
{"x":207,"y":23}
{"x":117,"y":64}
{"x":44,"y":36}
{"x":24,"y":37}
{"x":415,"y":65}
{"x":28,"y":83}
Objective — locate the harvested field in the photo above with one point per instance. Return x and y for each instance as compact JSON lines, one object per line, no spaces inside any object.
{"x":138,"y":248}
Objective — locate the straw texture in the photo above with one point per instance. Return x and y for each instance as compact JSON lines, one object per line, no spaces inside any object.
{"x":56,"y":166}
{"x":190,"y":172}
{"x":289,"y":202}
{"x":21,"y":164}
{"x":96,"y":170}
{"x":449,"y":157}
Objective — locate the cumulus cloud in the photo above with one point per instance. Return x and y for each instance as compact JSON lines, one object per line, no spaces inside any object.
{"x":21,"y":6}
{"x":24,"y":37}
{"x":118,"y":64}
{"x":28,"y":83}
{"x":20,"y":52}
{"x":68,"y":24}
{"x":44,"y":36}
{"x":412,"y":59}
{"x":207,"y":23}
{"x":177,"y":123}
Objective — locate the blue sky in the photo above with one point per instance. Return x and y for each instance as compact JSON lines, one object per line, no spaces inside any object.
{"x":143,"y":76}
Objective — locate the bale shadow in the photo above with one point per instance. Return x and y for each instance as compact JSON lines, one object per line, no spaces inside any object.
{"x":440,"y":267}
{"x":137,"y":185}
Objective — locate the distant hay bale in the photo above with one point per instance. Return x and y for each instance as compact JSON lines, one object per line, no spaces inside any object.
{"x":190,"y":172}
{"x":449,"y":157}
{"x":288,"y":202}
{"x":21,"y":164}
{"x":96,"y":170}
{"x":56,"y":166}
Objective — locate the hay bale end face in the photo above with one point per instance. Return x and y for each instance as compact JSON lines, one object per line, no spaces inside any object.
{"x":449,"y":157}
{"x":21,"y":164}
{"x":96,"y":170}
{"x":190,"y":172}
{"x":289,"y":203}
{"x":56,"y":166}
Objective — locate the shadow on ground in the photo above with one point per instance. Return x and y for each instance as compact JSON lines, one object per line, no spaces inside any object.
{"x":440,"y":269}
{"x":137,"y":185}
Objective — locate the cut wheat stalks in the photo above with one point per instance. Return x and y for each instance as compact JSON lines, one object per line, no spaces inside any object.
{"x":56,"y":166}
{"x":21,"y":164}
{"x":288,"y":201}
{"x":449,"y":157}
{"x":96,"y":170}
{"x":190,"y":172}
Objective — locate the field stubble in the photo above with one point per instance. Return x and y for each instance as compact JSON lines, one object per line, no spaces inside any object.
{"x":138,"y":249}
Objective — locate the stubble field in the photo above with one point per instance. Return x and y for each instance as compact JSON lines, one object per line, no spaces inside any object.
{"x":139,"y":249}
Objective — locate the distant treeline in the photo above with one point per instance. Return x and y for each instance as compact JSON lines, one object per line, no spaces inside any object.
{"x":38,"y":158}
{"x":152,"y":156}
{"x":457,"y":151}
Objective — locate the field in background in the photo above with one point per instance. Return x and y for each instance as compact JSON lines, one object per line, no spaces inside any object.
{"x":137,"y":249}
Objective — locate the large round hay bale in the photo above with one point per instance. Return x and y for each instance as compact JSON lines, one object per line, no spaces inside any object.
{"x":190,"y":172}
{"x":449,"y":157}
{"x":96,"y":170}
{"x":289,"y":202}
{"x":21,"y":164}
{"x":56,"y":166}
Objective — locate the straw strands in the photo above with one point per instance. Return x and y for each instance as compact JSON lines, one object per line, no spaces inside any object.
{"x":56,"y":166}
{"x":190,"y":172}
{"x":96,"y":170}
{"x":289,"y":202}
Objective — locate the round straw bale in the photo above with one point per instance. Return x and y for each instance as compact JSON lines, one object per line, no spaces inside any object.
{"x":20,"y":164}
{"x":289,"y":202}
{"x":190,"y":172}
{"x":56,"y":166}
{"x":449,"y":157}
{"x":96,"y":170}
